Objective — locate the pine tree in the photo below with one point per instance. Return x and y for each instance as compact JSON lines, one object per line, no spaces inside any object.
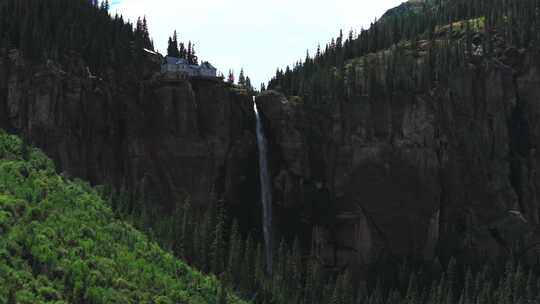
{"x":468,"y":290}
{"x":451,"y":274}
{"x":376,"y":296}
{"x":337,"y":293}
{"x":327,"y":292}
{"x":185,"y":232}
{"x":258,"y":264}
{"x":25,"y":149}
{"x":105,"y":5}
{"x":203,"y":241}
{"x":279,"y":272}
{"x":189,"y":55}
{"x":242,"y":79}
{"x":412,"y":290}
{"x":295,"y":265}
{"x":313,"y":281}
{"x":172,"y":49}
{"x":246,"y":279}
{"x":218,"y":243}
{"x":222,"y":294}
{"x":194,"y":59}
{"x":235,"y":252}
{"x":230,"y":78}
{"x":182,"y":51}
{"x":249,"y":88}
{"x":529,"y":291}
{"x":394,"y":297}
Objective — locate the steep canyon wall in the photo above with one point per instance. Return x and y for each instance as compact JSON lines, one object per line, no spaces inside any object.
{"x":453,"y":170}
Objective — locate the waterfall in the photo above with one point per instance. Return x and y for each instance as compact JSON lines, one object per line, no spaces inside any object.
{"x":266,"y":191}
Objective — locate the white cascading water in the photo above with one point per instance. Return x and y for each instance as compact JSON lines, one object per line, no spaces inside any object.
{"x":266,"y":191}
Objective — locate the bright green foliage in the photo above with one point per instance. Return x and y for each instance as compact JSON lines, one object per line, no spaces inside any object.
{"x":60,"y":243}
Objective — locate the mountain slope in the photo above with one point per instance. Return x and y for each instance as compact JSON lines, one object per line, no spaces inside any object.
{"x":59,"y":242}
{"x":422,"y":132}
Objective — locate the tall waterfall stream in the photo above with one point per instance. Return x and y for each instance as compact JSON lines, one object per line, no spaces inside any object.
{"x":266,"y":190}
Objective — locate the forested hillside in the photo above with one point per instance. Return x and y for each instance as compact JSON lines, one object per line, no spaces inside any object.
{"x":417,"y":139}
{"x":53,"y":29}
{"x":60,"y":243}
{"x":425,"y":41}
{"x":403,"y":162}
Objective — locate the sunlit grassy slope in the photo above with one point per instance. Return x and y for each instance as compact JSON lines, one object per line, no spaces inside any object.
{"x":59,"y":243}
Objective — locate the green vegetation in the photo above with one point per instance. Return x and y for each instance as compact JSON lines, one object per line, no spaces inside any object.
{"x":178,"y":50}
{"x":476,"y":25}
{"x":59,"y":243}
{"x":445,"y":35}
{"x":58,"y":29}
{"x":213,"y":245}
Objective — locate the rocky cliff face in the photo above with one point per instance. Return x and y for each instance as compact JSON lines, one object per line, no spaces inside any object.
{"x":161,"y":141}
{"x":452,"y":170}
{"x":430,"y":173}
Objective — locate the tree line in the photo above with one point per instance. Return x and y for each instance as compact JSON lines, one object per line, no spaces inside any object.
{"x":179,"y":50}
{"x":215,"y":244}
{"x":244,"y":82}
{"x":327,"y":75}
{"x":52,"y":29}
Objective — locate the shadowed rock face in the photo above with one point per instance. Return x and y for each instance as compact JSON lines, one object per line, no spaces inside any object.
{"x":412,"y":173}
{"x":158,"y":140}
{"x":425,"y":174}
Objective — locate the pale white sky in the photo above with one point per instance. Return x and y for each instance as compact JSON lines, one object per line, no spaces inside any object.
{"x":258,"y":35}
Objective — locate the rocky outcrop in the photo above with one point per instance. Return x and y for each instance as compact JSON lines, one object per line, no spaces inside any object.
{"x":414,"y":173}
{"x":161,"y":141}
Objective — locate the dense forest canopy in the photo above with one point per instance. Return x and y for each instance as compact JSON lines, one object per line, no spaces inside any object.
{"x":60,"y":243}
{"x":51,"y":29}
{"x":436,"y":27}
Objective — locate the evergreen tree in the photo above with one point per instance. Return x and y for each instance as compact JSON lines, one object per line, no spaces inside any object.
{"x":230,"y":77}
{"x":218,"y":243}
{"x":172,"y":49}
{"x":312,"y":282}
{"x":295,"y":267}
{"x":259,"y":272}
{"x":105,"y":5}
{"x":242,"y":79}
{"x":412,"y":290}
{"x":336,"y":295}
{"x":247,"y":273}
{"x":222,"y":293}
{"x":185,"y":235}
{"x":194,"y":59}
{"x":235,"y":252}
{"x":249,"y":87}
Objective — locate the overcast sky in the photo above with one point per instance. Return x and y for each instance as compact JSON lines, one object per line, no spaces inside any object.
{"x":258,"y":35}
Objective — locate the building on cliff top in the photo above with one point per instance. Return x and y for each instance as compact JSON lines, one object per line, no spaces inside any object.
{"x":173,"y":66}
